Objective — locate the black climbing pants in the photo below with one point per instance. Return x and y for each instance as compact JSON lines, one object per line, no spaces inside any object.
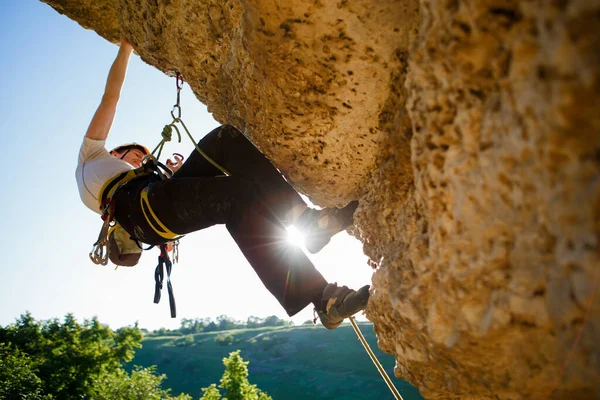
{"x":252,"y":203}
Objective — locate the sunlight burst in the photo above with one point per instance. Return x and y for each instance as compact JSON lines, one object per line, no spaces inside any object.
{"x":295,"y":236}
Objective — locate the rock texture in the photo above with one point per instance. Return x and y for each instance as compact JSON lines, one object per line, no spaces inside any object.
{"x":470,"y":132}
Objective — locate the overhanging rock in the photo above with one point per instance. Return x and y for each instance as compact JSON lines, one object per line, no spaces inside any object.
{"x":470,"y":132}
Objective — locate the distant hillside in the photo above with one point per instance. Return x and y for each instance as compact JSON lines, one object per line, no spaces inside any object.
{"x":291,"y":363}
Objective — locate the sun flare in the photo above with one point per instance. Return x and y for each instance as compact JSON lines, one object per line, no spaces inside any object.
{"x":295,"y":236}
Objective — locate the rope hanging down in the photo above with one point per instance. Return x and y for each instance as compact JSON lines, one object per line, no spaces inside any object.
{"x":384,"y":374}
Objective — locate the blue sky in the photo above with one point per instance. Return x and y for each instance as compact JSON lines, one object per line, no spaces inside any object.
{"x":52,"y":77}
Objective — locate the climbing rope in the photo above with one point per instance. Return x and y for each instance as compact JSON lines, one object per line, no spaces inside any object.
{"x":167,"y":135}
{"x":384,"y":374}
{"x":167,"y":132}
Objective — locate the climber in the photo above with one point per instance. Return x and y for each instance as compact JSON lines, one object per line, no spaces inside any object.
{"x":255,"y":203}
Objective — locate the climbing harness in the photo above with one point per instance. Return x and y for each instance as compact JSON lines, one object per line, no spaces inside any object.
{"x":384,"y":374}
{"x":101,"y":251}
{"x":105,"y":247}
{"x":155,"y":223}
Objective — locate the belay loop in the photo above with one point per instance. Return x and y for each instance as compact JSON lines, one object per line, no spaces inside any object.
{"x":164,"y":262}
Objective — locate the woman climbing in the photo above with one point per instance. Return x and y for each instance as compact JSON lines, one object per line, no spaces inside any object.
{"x":253,"y":201}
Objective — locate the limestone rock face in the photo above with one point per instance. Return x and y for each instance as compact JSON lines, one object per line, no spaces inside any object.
{"x":470,"y":132}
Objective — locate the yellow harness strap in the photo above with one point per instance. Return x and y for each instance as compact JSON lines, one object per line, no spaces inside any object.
{"x":111,"y":186}
{"x":153,"y":220}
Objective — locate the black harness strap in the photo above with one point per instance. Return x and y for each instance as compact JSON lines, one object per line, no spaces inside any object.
{"x":164,"y":262}
{"x":113,"y":182}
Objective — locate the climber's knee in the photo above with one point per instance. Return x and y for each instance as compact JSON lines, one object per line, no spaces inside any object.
{"x":228,"y":132}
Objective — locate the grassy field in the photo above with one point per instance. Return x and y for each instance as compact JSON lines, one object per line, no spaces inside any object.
{"x":303,"y":362}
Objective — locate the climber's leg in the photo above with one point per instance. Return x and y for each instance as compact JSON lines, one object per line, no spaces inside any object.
{"x":187,"y":204}
{"x":233,"y":151}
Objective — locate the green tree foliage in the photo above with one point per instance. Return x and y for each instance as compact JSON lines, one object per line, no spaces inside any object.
{"x":275,"y":321}
{"x":254,"y":322}
{"x":142,"y":384}
{"x":50,"y":359}
{"x":224,"y":339}
{"x":223,"y":323}
{"x":211,"y":393}
{"x":17,"y":378}
{"x":235,"y":382}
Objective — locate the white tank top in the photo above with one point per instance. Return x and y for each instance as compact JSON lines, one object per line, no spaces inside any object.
{"x":95,"y":167}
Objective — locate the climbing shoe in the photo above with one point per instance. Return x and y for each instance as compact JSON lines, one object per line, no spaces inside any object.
{"x":339,"y":303}
{"x":318,"y":226}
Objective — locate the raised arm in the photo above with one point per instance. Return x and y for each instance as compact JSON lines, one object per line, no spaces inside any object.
{"x":105,"y":114}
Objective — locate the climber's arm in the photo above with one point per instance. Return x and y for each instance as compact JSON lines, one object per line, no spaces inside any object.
{"x":105,"y":114}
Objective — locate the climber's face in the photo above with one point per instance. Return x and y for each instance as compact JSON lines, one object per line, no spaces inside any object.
{"x":131,"y":156}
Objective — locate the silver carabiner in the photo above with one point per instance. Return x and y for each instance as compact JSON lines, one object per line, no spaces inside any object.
{"x":178,"y":108}
{"x":99,"y":253}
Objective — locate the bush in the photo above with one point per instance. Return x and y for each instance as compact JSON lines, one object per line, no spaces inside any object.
{"x":68,"y":360}
{"x":235,"y":382}
{"x":224,"y":339}
{"x":187,"y":340}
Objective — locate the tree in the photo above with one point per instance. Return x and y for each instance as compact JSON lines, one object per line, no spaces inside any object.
{"x":50,"y":359}
{"x":211,"y":393}
{"x":142,"y":384}
{"x":273,"y":320}
{"x":211,"y":327}
{"x":187,"y":326}
{"x":225,"y":323}
{"x":235,"y":382}
{"x":67,"y":356}
{"x":17,"y":378}
{"x":254,"y":322}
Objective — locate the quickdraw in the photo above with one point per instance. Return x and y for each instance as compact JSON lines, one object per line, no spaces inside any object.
{"x":167,"y":132}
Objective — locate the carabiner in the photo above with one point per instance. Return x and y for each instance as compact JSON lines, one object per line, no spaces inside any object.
{"x":179,"y":81}
{"x":178,"y":108}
